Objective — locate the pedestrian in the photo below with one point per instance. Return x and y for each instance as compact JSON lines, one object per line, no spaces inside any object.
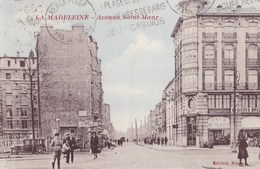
{"x":242,"y":151}
{"x":56,"y":145}
{"x":66,"y":149}
{"x":94,"y":144}
{"x":162,"y":141}
{"x":73,"y":146}
{"x":158,"y":140}
{"x":166,"y":140}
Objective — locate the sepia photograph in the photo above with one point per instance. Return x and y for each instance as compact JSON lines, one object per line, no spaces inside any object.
{"x":129,"y":84}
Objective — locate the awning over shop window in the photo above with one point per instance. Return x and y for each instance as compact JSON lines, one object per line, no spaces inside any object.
{"x":218,"y":123}
{"x":250,"y":123}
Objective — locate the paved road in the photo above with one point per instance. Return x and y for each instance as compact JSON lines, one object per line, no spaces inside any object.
{"x":132,"y":156}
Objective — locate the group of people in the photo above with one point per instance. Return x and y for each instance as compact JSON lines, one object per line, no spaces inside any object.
{"x":66,"y":146}
{"x":160,"y":141}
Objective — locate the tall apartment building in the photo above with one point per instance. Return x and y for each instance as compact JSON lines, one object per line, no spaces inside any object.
{"x":216,"y":90}
{"x":15,"y":101}
{"x":71,"y":86}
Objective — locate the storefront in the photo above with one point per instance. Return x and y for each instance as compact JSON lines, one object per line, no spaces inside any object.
{"x":219,"y":130}
{"x":250,"y":127}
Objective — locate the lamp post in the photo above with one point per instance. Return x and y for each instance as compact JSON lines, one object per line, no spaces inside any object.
{"x":236,"y":80}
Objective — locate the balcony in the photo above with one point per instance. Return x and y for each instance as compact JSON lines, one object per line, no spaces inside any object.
{"x":209,"y":86}
{"x":252,"y":37}
{"x":252,"y":62}
{"x":229,"y":62}
{"x":252,"y":86}
{"x":228,"y":86}
{"x":229,"y":37}
{"x":209,"y":37}
{"x":219,"y":111}
{"x":209,"y":62}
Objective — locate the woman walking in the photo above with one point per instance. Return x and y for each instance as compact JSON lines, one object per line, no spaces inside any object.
{"x":66,"y":150}
{"x":94,"y":144}
{"x":242,"y":151}
{"x":56,"y":145}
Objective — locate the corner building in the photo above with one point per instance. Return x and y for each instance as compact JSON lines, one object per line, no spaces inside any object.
{"x":71,"y":87}
{"x":216,"y":90}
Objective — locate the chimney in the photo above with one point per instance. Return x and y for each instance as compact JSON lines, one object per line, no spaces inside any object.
{"x":239,"y":8}
{"x":219,"y":8}
{"x":18,"y":54}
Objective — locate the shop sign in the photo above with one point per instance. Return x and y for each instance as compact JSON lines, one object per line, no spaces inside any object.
{"x":248,"y":110}
{"x":83,"y":113}
{"x":83,"y":124}
{"x":218,"y":123}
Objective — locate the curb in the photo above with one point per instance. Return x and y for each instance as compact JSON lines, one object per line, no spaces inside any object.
{"x":180,"y":148}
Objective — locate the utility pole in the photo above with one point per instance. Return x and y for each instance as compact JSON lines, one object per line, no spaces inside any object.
{"x":132,"y":133}
{"x":38,"y":88}
{"x":136,"y":132}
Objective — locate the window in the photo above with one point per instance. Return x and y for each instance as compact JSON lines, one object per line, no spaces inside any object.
{"x":23,"y":112}
{"x":258,"y":101}
{"x":229,"y":55}
{"x":18,"y":124}
{"x":252,"y":52}
{"x":211,"y":101}
{"x":245,"y":99}
{"x":209,"y":52}
{"x":24,"y":76}
{"x":9,"y":124}
{"x":24,"y":124}
{"x":22,"y":63}
{"x":229,"y":79}
{"x":17,"y":112}
{"x":9,"y":112}
{"x":9,"y":63}
{"x":209,"y":79}
{"x":219,"y":101}
{"x":252,"y":100}
{"x":252,"y":79}
{"x":226,"y":101}
{"x":8,"y":75}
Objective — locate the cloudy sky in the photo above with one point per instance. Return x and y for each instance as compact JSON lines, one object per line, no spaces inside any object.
{"x":137,"y":55}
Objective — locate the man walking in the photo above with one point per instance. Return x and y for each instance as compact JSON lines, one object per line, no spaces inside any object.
{"x":73,"y":145}
{"x":94,"y":144}
{"x":56,"y":145}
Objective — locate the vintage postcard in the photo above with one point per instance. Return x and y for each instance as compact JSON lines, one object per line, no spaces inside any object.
{"x":129,"y":84}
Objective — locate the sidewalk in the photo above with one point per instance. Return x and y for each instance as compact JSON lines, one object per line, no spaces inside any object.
{"x":173,"y":148}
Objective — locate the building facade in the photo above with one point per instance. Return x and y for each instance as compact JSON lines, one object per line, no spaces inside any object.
{"x":71,"y":84}
{"x":216,"y":91}
{"x":15,"y":101}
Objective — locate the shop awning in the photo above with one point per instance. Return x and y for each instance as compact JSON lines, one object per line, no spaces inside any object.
{"x":250,"y":123}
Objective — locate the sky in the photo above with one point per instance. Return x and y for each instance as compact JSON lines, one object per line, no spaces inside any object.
{"x":137,"y":55}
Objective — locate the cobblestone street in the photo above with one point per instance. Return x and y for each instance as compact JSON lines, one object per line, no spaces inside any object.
{"x":132,"y":156}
